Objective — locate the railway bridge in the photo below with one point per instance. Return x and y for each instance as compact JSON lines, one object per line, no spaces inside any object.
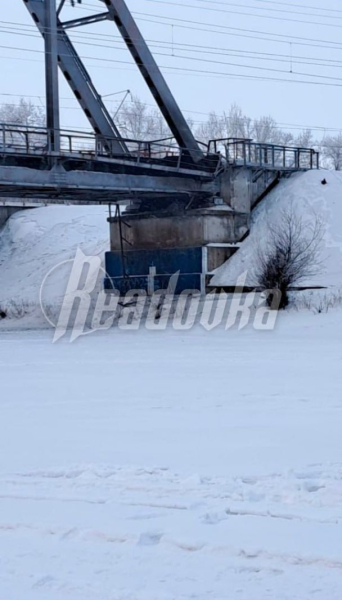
{"x":186,"y":202}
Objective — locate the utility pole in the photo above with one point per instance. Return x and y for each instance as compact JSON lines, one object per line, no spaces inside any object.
{"x":51,"y":74}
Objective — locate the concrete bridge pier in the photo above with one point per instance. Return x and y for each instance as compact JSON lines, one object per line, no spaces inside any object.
{"x":193,"y":242}
{"x":193,"y":237}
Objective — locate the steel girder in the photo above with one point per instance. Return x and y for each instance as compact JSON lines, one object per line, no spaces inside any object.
{"x":92,"y":187}
{"x":84,"y":90}
{"x":51,"y":75}
{"x":80,"y":81}
{"x":150,"y":71}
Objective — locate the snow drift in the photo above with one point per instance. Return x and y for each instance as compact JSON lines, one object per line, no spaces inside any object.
{"x":35,"y":241}
{"x":308,"y":198}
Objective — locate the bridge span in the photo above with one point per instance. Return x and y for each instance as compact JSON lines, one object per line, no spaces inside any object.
{"x":86,"y":170}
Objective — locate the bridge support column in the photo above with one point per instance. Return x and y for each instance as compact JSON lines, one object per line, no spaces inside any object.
{"x":193,"y":243}
{"x":242,"y":188}
{"x":236,"y":188}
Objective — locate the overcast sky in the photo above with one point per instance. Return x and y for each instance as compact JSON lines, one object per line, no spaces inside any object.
{"x":191,"y":40}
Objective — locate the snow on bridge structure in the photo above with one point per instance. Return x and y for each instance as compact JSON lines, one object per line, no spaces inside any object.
{"x":187,"y":202}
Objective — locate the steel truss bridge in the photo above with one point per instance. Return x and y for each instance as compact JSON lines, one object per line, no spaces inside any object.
{"x":52,"y":165}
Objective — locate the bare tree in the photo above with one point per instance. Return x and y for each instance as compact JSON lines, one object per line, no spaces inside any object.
{"x":133,"y":120}
{"x":304,"y":139}
{"x":332,"y":151}
{"x":213,"y":128}
{"x":138,"y":122}
{"x":266,"y":131}
{"x":231,"y":124}
{"x":291,"y":255}
{"x":24,"y":114}
{"x":237,"y":124}
{"x":159,"y":127}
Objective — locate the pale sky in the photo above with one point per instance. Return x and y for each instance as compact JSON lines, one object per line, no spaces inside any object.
{"x":180,"y":42}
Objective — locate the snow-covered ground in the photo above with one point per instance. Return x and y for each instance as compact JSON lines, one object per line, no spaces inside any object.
{"x":33,"y":242}
{"x":169,"y":466}
{"x":302,"y":195}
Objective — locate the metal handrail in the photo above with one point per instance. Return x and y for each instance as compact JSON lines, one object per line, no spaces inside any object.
{"x":246,"y":152}
{"x":30,"y":140}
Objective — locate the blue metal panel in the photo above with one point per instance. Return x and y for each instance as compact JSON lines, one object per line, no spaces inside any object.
{"x":138,"y":262}
{"x":188,"y":261}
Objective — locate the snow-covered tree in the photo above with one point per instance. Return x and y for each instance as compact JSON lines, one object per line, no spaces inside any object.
{"x":304,"y":139}
{"x":138,"y":122}
{"x":213,"y":128}
{"x":230,"y":124}
{"x":331,"y":149}
{"x":266,"y":131}
{"x":25,"y":113}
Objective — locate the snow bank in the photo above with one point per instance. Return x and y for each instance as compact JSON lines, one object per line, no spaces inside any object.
{"x":35,"y":241}
{"x":308,"y":197}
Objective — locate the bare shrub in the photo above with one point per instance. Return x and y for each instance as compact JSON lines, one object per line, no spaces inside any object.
{"x":14,"y":309}
{"x":319,"y":302}
{"x":331,"y":149}
{"x":291,"y":255}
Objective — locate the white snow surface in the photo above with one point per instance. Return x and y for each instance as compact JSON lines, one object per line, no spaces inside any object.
{"x":33,"y":242}
{"x":307,"y":197}
{"x":173,"y":466}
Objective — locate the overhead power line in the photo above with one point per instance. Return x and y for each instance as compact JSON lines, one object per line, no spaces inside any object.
{"x":184,"y":48}
{"x":206,"y":72}
{"x":286,"y":39}
{"x":290,"y":60}
{"x":254,"y":15}
{"x":245,"y":14}
{"x":263,"y":33}
{"x":287,"y":5}
{"x":270,"y":9}
{"x":194,"y":48}
{"x":210,"y":73}
{"x":219,"y":26}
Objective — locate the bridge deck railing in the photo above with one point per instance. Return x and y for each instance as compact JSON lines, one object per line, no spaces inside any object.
{"x":28,"y":140}
{"x":38,"y":141}
{"x":241,"y":151}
